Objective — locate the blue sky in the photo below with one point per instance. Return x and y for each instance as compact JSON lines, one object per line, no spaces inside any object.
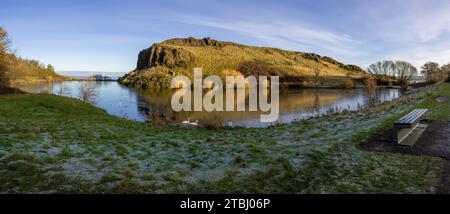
{"x":106,"y":35}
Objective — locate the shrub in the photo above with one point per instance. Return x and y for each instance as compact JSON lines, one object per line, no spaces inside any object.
{"x":348,"y":83}
{"x":371,"y":92}
{"x":215,"y":122}
{"x":432,"y":72}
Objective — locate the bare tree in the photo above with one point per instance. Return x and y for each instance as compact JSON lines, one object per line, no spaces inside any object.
{"x":404,"y":72}
{"x":63,"y":89}
{"x":4,"y":40}
{"x":88,"y":92}
{"x":317,"y":76}
{"x":383,"y":70}
{"x":371,"y":92}
{"x":446,"y":71}
{"x":4,"y":46}
{"x":433,"y":73}
{"x":400,"y":71}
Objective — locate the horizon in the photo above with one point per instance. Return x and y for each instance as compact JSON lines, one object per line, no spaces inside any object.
{"x":107,"y":35}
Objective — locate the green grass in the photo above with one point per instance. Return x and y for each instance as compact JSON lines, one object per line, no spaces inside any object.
{"x":438,"y":111}
{"x":54,"y":144}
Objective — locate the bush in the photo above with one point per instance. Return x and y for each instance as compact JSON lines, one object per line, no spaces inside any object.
{"x":371,"y":92}
{"x":215,"y":122}
{"x":349,"y":83}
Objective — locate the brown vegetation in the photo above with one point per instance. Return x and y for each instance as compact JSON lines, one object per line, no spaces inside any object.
{"x":88,"y":92}
{"x":435,"y":74}
{"x":348,"y":83}
{"x":371,"y":92}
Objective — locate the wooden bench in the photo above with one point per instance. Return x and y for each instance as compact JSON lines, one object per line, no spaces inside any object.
{"x":407,"y":130}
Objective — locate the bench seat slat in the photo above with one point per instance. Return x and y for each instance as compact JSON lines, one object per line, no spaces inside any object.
{"x":411,"y":117}
{"x":413,"y":114}
{"x":406,"y":126}
{"x":408,"y":116}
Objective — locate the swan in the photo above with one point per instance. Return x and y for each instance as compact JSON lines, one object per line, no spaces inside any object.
{"x":194,"y":123}
{"x":186,"y":121}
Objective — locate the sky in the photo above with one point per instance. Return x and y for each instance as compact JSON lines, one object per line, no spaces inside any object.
{"x":106,"y":35}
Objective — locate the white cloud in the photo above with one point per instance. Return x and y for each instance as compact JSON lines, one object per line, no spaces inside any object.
{"x":415,"y":30}
{"x":412,"y":21}
{"x":283,"y":34}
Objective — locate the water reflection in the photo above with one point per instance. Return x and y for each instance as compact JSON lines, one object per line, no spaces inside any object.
{"x":294,"y":105}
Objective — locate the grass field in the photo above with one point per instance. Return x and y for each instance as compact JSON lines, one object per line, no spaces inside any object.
{"x":51,"y":144}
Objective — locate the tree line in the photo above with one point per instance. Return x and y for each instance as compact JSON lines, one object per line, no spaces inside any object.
{"x":402,"y":73}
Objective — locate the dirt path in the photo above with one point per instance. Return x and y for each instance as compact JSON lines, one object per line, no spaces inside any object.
{"x":435,"y":142}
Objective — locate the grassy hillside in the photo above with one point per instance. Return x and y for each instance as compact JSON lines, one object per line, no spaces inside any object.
{"x":51,"y":144}
{"x":15,"y":70}
{"x":22,"y":71}
{"x":157,"y":64}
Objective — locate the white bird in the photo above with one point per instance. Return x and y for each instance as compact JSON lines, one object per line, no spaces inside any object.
{"x":186,"y":121}
{"x":194,"y":123}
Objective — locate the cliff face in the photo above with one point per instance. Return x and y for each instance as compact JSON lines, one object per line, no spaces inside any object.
{"x":172,"y":57}
{"x":158,"y":55}
{"x":169,"y":53}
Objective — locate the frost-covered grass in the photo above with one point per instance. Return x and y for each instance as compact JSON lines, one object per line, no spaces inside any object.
{"x":55,"y":144}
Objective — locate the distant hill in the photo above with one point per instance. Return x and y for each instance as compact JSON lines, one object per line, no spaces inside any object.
{"x":158,"y":63}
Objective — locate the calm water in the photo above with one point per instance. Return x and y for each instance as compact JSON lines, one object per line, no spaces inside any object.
{"x":126,"y":102}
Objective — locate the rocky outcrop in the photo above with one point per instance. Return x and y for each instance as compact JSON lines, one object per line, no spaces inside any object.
{"x":197,"y":42}
{"x":159,"y":63}
{"x":171,"y":54}
{"x":159,"y":55}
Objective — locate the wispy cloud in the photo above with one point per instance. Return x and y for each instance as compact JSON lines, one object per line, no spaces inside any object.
{"x":415,"y":30}
{"x":412,"y":21}
{"x":352,"y":31}
{"x":284,"y":34}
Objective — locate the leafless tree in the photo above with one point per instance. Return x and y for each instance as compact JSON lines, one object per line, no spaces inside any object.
{"x":371,"y":92}
{"x":317,"y":76}
{"x":383,"y":70}
{"x":404,"y":72}
{"x":400,"y":71}
{"x":4,"y":40}
{"x":433,"y":73}
{"x":446,"y":71}
{"x":4,"y":46}
{"x":63,"y":89}
{"x":88,"y":92}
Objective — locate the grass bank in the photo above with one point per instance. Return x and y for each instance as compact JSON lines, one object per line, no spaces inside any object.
{"x":51,"y":144}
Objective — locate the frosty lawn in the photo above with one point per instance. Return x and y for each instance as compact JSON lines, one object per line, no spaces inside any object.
{"x":55,"y":144}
